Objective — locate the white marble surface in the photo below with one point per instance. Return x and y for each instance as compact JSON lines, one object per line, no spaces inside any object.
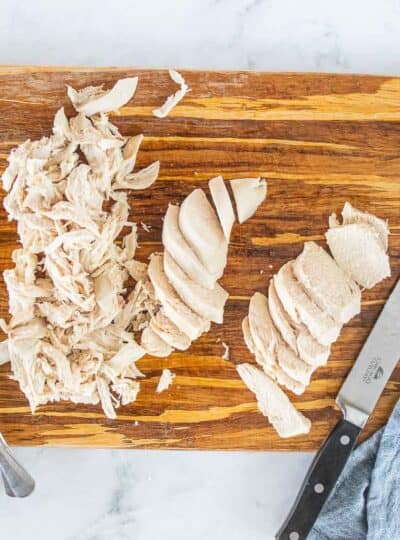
{"x":118,"y":495}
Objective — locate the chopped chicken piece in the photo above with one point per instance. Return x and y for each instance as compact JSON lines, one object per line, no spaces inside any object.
{"x":153,"y":344}
{"x":202,"y":230}
{"x":180,"y":314}
{"x":125,"y":357}
{"x":269,"y":348}
{"x":326,"y":283}
{"x":175,"y":243}
{"x":359,"y":247}
{"x":137,"y":270}
{"x":302,"y":309}
{"x":273,"y":403}
{"x":352,"y":215}
{"x":208,"y":303}
{"x":4,"y":354}
{"x":173,"y":100}
{"x":248,"y":193}
{"x":247,"y":335}
{"x":141,"y":179}
{"x":94,"y":99}
{"x":296,"y":335}
{"x":223,"y":204}
{"x":165,"y":381}
{"x":225,"y":356}
{"x":169,"y":332}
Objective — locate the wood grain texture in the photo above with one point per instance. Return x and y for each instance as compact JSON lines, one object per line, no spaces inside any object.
{"x":320,"y":140}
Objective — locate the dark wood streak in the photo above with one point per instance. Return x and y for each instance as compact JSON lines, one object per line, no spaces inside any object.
{"x":313,"y":166}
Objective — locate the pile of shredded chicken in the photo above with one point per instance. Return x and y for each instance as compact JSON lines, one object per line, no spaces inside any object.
{"x":71,"y":333}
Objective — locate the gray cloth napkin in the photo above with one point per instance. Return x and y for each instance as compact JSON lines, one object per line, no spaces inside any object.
{"x":365,"y":504}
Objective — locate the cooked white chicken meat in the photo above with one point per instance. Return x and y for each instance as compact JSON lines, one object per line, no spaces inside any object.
{"x":352,"y":215}
{"x":93,"y":99}
{"x":173,"y":100}
{"x":326,"y":283}
{"x":175,"y":243}
{"x":248,"y":193}
{"x":296,"y":335}
{"x":359,"y":246}
{"x":169,"y":332}
{"x":71,"y":332}
{"x":273,"y":403}
{"x":165,"y":381}
{"x":208,"y":303}
{"x":223,"y":204}
{"x":269,"y":349}
{"x":153,"y":344}
{"x":189,"y":322}
{"x":302,"y":309}
{"x":202,"y":231}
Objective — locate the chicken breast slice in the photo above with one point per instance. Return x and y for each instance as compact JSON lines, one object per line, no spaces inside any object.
{"x":267,"y":341}
{"x":274,"y":403}
{"x":302,"y":309}
{"x":247,"y":335}
{"x":175,"y":243}
{"x":357,"y":249}
{"x":208,"y":303}
{"x":326,"y":283}
{"x":352,"y":215}
{"x":200,"y":227}
{"x":295,"y":335}
{"x":180,"y":314}
{"x":248,"y":193}
{"x":223,"y":204}
{"x":169,"y":332}
{"x":153,"y":344}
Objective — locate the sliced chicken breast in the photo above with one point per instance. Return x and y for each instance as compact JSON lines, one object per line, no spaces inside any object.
{"x":175,"y":243}
{"x":302,"y":309}
{"x":223,"y":204}
{"x":180,"y":314}
{"x":169,"y":332}
{"x":266,"y":341}
{"x":352,"y":215}
{"x":208,"y":303}
{"x":153,"y":344}
{"x":248,"y":193}
{"x":274,"y":403}
{"x":247,"y":335}
{"x":326,"y":283}
{"x":202,"y":231}
{"x":293,"y":365}
{"x":357,"y":249}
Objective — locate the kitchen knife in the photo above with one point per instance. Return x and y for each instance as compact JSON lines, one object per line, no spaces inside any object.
{"x":357,"y":399}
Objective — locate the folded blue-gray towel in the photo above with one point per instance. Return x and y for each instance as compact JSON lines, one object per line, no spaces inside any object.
{"x":365,"y":504}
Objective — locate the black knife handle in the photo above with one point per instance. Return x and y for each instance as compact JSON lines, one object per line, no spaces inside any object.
{"x":319,"y":481}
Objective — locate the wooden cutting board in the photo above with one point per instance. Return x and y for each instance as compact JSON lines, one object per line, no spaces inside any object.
{"x":319,"y":140}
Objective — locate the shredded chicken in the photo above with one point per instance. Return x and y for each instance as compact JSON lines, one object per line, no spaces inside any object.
{"x":71,"y":335}
{"x":225,"y":355}
{"x":165,"y":381}
{"x":173,"y":100}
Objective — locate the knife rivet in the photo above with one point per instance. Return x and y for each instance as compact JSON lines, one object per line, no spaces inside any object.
{"x":319,"y":488}
{"x":294,"y":536}
{"x":344,"y":439}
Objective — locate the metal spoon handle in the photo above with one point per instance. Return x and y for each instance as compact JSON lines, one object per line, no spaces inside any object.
{"x":17,"y":481}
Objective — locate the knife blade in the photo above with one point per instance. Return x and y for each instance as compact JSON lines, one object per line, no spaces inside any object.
{"x":357,"y":399}
{"x":375,"y":363}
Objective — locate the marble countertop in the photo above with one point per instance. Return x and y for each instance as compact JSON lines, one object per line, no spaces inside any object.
{"x":121,"y":495}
